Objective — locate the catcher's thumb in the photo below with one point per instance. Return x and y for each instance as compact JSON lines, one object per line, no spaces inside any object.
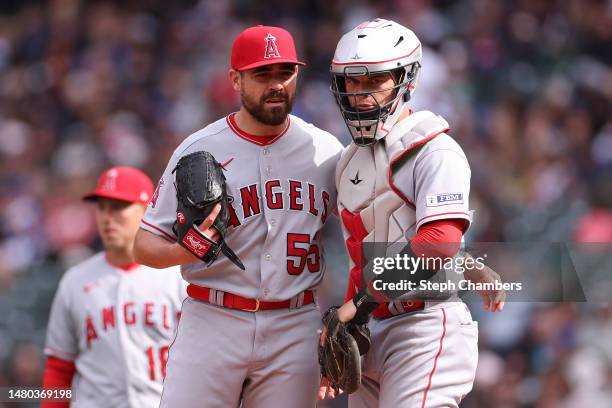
{"x":210,"y":219}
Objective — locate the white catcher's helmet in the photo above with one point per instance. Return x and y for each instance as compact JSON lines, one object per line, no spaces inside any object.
{"x":373,"y":47}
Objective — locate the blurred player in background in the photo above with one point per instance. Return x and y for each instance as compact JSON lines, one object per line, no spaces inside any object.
{"x":112,"y":320}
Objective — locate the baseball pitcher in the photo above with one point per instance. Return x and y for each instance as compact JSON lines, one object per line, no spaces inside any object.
{"x":248,"y":332}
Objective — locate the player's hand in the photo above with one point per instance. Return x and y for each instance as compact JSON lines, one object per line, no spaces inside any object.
{"x":206,"y":225}
{"x":493,"y":300}
{"x":182,"y":255}
{"x":325,"y":391}
{"x":347,"y":311}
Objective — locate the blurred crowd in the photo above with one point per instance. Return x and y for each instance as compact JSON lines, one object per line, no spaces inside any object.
{"x":525,"y":84}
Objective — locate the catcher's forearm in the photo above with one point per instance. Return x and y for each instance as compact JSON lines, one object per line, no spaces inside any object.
{"x":367,"y":299}
{"x":156,"y":252}
{"x":364,"y":304}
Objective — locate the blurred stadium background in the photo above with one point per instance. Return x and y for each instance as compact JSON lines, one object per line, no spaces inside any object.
{"x":525,"y":84}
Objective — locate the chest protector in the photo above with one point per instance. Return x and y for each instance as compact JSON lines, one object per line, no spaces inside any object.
{"x":372,"y":208}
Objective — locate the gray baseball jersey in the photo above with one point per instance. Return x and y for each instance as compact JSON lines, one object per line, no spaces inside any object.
{"x":116,"y":326}
{"x":388,"y":190}
{"x":281,"y":193}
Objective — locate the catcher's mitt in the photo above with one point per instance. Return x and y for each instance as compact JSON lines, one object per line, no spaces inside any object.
{"x":339,"y":356}
{"x":200,"y":185}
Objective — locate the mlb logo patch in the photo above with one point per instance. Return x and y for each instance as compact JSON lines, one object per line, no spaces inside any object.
{"x":436,"y":200}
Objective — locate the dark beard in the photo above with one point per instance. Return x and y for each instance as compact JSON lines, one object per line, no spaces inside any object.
{"x":274,"y":117}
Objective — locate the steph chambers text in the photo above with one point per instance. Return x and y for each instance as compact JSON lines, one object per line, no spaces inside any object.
{"x":447,"y":286}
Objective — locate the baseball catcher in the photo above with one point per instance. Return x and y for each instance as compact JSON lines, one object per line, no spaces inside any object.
{"x":402,"y":182}
{"x":200,"y":186}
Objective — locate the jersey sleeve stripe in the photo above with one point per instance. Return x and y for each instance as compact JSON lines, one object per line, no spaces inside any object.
{"x":156,"y":228}
{"x":446,"y":215}
{"x":50,"y":351}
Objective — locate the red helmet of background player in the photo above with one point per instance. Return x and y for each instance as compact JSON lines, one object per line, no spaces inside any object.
{"x":123,"y":183}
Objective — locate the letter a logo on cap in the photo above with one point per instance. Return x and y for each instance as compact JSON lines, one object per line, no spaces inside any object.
{"x":271,"y":48}
{"x":110,"y":181}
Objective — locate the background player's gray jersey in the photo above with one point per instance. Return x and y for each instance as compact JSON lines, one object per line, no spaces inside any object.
{"x":116,"y":326}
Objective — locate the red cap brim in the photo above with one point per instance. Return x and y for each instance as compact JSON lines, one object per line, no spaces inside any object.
{"x":270,"y":62}
{"x":129,"y":198}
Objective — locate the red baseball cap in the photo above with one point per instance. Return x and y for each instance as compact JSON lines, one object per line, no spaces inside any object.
{"x":123,"y":183}
{"x":263,"y":45}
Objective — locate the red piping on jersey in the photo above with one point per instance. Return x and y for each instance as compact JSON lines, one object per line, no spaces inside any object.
{"x":445,"y":213}
{"x":125,"y":267}
{"x":225,"y":163}
{"x":433,"y":370}
{"x":166,"y":235}
{"x":414,"y":146}
{"x":178,"y":317}
{"x":260,"y":140}
{"x":377,"y":62}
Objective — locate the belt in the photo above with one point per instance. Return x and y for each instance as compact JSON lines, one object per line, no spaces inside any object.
{"x":384,"y":311}
{"x":232,"y":301}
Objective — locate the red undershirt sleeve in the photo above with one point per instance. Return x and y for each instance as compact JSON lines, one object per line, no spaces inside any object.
{"x":58,"y":373}
{"x":440,"y":238}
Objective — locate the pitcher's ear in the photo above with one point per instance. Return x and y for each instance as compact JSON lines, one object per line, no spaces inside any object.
{"x":235,"y":78}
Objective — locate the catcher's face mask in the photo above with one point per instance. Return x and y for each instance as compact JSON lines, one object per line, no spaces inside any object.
{"x":372,"y":48}
{"x":367,"y":99}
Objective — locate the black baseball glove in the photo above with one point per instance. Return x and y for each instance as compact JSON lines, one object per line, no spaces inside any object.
{"x":339,"y":356}
{"x":200,"y":186}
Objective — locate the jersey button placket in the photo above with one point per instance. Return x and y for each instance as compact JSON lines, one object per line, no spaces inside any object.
{"x":267,"y":265}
